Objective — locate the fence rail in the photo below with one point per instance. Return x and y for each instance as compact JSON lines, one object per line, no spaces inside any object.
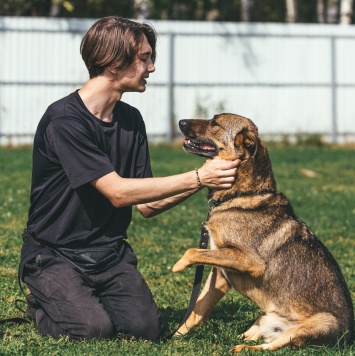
{"x":289,"y":79}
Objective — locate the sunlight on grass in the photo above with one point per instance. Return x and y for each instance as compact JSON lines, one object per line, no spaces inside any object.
{"x":319,"y":183}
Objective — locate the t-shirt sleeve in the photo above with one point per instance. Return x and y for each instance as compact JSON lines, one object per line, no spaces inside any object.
{"x":74,"y":145}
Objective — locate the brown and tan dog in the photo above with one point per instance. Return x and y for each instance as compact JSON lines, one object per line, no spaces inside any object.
{"x":262,"y":249}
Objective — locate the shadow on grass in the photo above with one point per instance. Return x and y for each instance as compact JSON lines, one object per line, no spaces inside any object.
{"x":230,"y":319}
{"x":236,"y":315}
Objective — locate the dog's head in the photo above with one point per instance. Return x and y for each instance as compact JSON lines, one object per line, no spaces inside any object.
{"x":232,"y":137}
{"x":227,"y":136}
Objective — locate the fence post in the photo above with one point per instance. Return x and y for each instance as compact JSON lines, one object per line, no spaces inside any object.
{"x":334,"y":90}
{"x":171,"y":79}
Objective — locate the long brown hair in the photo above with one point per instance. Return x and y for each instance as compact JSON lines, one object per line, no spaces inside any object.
{"x":113,"y":42}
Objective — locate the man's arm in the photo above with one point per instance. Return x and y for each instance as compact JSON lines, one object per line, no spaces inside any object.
{"x":215,"y":174}
{"x":154,"y":208}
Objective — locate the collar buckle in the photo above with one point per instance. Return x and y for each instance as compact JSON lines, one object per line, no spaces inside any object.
{"x":211,"y":204}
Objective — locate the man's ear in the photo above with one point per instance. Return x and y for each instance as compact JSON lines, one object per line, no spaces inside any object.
{"x":112,"y":70}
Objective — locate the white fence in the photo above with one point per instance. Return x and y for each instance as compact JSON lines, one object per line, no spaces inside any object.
{"x":289,"y":79}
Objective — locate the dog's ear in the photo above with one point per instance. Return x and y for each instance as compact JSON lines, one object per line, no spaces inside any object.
{"x":251,"y":143}
{"x":248,"y":139}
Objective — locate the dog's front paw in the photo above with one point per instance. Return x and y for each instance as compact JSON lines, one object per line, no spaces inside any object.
{"x":181,"y":331}
{"x":238,"y":348}
{"x":179,"y":266}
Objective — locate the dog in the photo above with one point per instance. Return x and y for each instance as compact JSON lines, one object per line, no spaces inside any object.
{"x":262,"y":249}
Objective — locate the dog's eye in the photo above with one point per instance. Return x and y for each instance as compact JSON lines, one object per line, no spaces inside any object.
{"x":213,"y":123}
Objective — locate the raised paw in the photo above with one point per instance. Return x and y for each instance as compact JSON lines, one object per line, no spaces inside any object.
{"x":180,"y":265}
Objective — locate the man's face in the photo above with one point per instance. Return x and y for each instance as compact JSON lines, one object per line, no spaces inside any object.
{"x":133,"y":79}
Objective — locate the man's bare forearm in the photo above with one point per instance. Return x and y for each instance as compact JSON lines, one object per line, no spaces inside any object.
{"x":149,"y":210}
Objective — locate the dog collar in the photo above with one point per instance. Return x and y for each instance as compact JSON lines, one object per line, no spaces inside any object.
{"x":211,"y":204}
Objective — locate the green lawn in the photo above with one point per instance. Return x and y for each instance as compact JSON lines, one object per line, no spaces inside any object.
{"x":325,"y":201}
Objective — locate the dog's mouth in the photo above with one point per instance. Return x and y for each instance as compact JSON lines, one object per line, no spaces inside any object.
{"x":200,"y":148}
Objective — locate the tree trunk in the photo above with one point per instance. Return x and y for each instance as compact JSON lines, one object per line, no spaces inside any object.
{"x":245,"y":10}
{"x":140,"y":8}
{"x":291,"y":11}
{"x":55,"y":8}
{"x":320,"y":11}
{"x":346,"y":12}
{"x":333,"y":11}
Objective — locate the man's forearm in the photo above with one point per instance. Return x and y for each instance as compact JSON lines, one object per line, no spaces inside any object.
{"x":149,"y":210}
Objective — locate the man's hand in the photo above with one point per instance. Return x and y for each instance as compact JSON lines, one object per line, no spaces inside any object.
{"x":218,"y":173}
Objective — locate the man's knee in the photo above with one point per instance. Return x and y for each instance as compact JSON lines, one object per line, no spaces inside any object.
{"x":93,"y":326}
{"x":147,"y":326}
{"x":97,"y":329}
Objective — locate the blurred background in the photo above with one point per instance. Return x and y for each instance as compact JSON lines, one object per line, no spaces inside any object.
{"x":289,"y":65}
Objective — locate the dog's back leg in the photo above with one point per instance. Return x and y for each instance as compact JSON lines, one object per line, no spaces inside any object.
{"x":215,"y":288}
{"x":268,"y":326}
{"x":253,"y":333}
{"x":321,"y":328}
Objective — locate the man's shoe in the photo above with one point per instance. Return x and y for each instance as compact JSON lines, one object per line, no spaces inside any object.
{"x":32,"y":307}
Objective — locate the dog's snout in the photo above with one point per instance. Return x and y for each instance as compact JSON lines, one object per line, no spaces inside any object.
{"x":184,"y":127}
{"x":182,"y":124}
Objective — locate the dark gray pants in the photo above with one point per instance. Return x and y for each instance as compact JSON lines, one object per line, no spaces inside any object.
{"x":82,"y":306}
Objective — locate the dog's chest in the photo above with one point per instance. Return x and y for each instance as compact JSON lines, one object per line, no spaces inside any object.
{"x":214,"y":247}
{"x":212,"y":243}
{"x":242,"y":282}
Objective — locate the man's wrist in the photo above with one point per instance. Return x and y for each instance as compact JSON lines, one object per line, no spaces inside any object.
{"x":199,"y":185}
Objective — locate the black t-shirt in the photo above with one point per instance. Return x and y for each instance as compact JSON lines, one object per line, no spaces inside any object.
{"x":71,"y":148}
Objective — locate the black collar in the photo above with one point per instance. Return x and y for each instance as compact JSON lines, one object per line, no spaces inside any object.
{"x":214,"y":203}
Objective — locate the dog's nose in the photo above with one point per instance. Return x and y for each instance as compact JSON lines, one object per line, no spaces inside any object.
{"x":182,"y":124}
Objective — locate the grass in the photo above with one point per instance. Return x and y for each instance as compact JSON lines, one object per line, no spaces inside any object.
{"x":319,"y":181}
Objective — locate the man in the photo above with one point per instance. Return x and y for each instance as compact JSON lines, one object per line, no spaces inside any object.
{"x":90,"y":166}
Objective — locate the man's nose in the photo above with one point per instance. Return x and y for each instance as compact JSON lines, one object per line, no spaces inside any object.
{"x":151,"y":67}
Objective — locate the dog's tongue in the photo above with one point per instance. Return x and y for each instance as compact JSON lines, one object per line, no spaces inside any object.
{"x":207,"y":147}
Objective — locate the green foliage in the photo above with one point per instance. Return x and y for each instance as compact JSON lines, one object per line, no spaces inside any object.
{"x":300,"y":139}
{"x":205,"y":111}
{"x":198,"y":10}
{"x":67,"y":8}
{"x":319,"y":181}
